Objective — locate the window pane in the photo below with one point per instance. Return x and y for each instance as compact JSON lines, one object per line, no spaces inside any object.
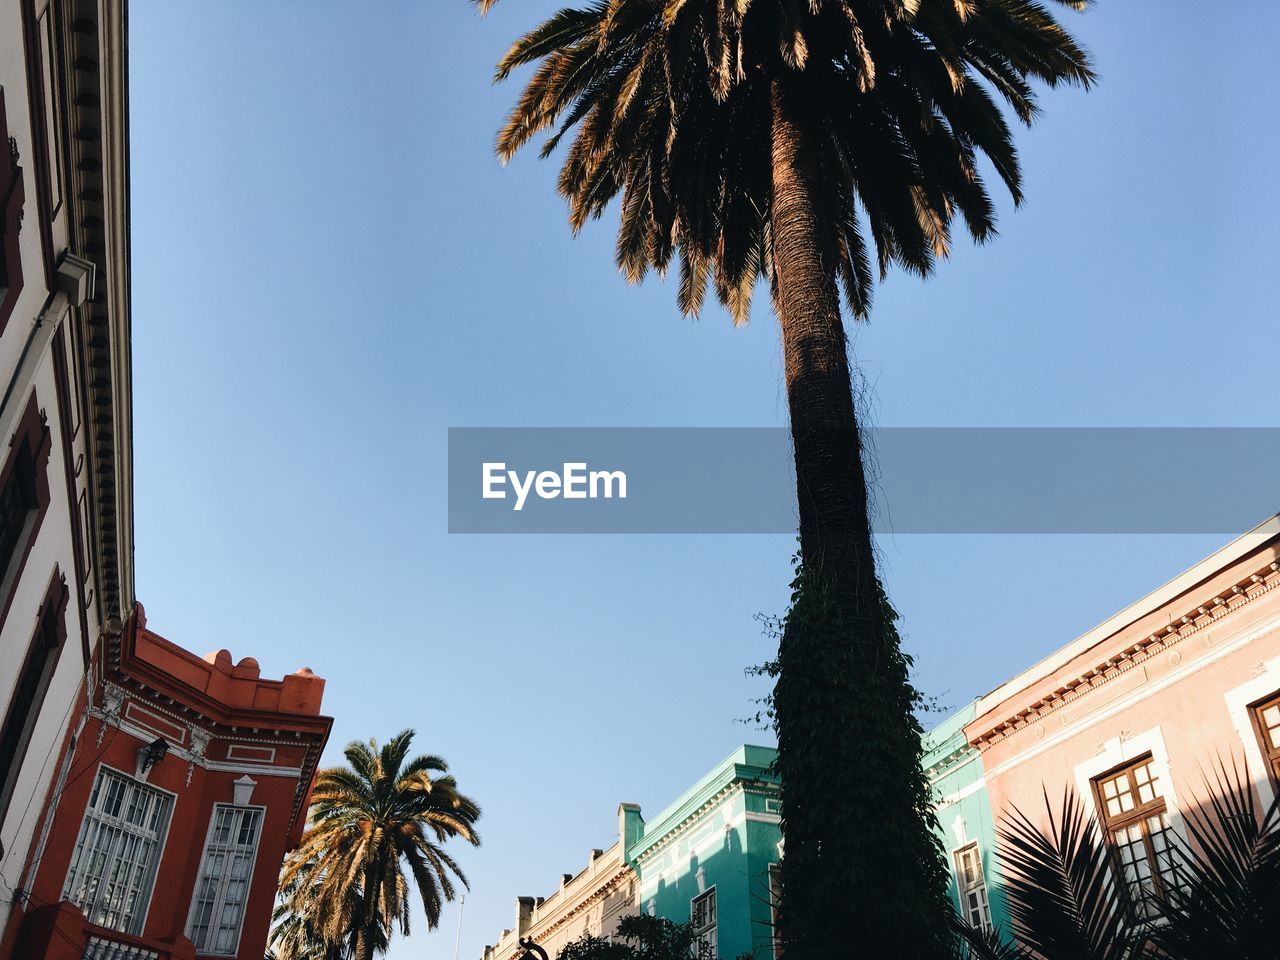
{"x":225,"y":872}
{"x":702,"y":915}
{"x":113,"y":866}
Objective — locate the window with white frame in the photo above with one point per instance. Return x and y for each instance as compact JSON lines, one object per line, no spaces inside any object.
{"x":971,"y":882}
{"x":702,"y":917}
{"x":775,"y":901}
{"x":217,"y":908}
{"x":113,"y":866}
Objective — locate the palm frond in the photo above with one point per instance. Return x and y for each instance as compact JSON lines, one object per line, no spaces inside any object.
{"x":1229,"y":873}
{"x":1059,"y":884}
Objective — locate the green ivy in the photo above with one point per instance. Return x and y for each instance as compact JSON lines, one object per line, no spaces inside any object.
{"x":856,"y":803}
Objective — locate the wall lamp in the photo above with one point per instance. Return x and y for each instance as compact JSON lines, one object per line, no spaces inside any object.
{"x":151,"y":754}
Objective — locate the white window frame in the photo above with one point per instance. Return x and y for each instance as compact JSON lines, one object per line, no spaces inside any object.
{"x":774,"y":875}
{"x":1239,"y":701}
{"x":1117,"y":752}
{"x":1120,"y":750}
{"x":706,"y":934}
{"x":219,"y":901}
{"x":76,"y":872}
{"x":962,"y":891}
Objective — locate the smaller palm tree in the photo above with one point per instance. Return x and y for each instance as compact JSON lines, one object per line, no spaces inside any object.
{"x":346,"y":883}
{"x":294,"y":931}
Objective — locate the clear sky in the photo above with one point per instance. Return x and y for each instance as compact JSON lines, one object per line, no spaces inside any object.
{"x":330,"y":269}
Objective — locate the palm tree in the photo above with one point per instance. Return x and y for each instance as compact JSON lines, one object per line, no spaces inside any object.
{"x":814,"y":144}
{"x":295,"y":923}
{"x":368,"y":821}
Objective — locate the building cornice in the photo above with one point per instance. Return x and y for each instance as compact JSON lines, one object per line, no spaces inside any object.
{"x":676,"y":830}
{"x":98,"y":220}
{"x":563,"y":907}
{"x":124,"y":674}
{"x":1195,"y":618}
{"x":943,"y":764}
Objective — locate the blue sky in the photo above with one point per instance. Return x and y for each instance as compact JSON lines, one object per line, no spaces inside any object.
{"x":330,"y":269}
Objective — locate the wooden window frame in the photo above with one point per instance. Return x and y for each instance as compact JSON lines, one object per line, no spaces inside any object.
{"x":41,"y":659}
{"x":1270,"y":752}
{"x":1138,"y":816}
{"x":12,"y":198}
{"x":30,"y":444}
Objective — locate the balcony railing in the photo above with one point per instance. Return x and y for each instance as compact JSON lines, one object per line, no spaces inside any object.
{"x":58,"y":931}
{"x":107,"y":947}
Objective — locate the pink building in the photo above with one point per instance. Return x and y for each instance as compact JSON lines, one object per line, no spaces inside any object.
{"x":1135,"y":713}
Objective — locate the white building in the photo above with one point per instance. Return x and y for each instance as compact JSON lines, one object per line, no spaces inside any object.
{"x":66,"y":532}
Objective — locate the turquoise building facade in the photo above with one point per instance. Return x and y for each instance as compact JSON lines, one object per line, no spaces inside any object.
{"x":709,"y":857}
{"x":954,"y":769}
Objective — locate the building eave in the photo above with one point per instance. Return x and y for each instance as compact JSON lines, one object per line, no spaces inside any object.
{"x":99,"y":231}
{"x":1187,"y":604}
{"x":734,"y":771}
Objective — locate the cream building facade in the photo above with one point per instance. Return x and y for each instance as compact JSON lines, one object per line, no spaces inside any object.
{"x":66,"y":544}
{"x":588,"y":903}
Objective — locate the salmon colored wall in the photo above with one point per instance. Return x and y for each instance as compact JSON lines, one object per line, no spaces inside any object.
{"x":1180,"y":690}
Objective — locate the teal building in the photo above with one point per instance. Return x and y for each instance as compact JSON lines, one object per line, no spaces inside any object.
{"x":954,"y":769}
{"x":709,"y":858}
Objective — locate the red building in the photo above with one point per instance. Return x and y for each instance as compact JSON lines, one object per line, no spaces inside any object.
{"x":180,"y":789}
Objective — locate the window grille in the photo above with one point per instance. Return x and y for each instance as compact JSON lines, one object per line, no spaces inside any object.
{"x":217,"y":910}
{"x":114,"y":863}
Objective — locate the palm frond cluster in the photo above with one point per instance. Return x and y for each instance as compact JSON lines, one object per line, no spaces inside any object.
{"x":1067,"y":903}
{"x":673,"y":104}
{"x":345,"y":889}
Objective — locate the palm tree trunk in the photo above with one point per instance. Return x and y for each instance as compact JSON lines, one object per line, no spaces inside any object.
{"x":368,"y":919}
{"x":860,"y":865}
{"x":834,"y":531}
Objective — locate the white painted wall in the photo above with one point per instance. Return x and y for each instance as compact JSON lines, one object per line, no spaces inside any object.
{"x":54,"y":544}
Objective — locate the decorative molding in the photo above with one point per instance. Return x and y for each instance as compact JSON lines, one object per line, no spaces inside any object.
{"x":562,"y":913}
{"x":141,"y":716}
{"x":684,"y":825}
{"x":958,"y":757}
{"x":247,"y":753}
{"x":1196,"y":620}
{"x":123,"y":688}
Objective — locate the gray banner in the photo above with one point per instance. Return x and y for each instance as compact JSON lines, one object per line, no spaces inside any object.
{"x":925,"y":480}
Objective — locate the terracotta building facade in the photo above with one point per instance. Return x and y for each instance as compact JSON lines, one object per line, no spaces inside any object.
{"x":180,"y":791}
